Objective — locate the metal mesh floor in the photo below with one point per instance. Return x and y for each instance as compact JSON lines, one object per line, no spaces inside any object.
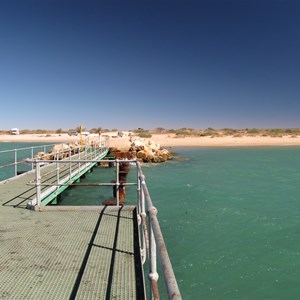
{"x":69,"y":254}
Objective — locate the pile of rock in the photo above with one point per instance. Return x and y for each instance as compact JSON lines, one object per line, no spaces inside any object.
{"x":59,"y":151}
{"x":144,"y":151}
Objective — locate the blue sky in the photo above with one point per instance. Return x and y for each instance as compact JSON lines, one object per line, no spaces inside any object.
{"x":129,"y":64}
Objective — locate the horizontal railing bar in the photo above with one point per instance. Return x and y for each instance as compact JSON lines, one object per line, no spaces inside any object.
{"x":67,"y":160}
{"x":14,"y":163}
{"x":26,"y":148}
{"x":84,"y":184}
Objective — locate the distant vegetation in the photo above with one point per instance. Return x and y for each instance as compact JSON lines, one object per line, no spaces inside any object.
{"x":181,"y":132}
{"x":142,"y":133}
{"x":57,"y":131}
{"x":186,"y":132}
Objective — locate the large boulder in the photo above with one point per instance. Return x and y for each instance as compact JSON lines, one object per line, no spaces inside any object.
{"x":144,"y":151}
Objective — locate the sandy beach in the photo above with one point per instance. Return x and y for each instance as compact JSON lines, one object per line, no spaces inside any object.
{"x":165,"y":140}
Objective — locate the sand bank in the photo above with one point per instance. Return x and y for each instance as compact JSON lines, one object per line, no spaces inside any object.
{"x":165,"y":140}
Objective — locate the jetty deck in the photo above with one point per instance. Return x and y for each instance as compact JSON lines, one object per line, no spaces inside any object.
{"x":70,"y":254}
{"x":75,"y":252}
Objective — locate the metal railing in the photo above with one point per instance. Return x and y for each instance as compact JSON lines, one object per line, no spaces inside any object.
{"x":70,"y":165}
{"x":152,"y":241}
{"x":13,"y":159}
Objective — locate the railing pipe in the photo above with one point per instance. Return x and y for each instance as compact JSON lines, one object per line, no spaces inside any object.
{"x":85,"y":154}
{"x":26,"y":148}
{"x":142,"y":213}
{"x":79,"y":152}
{"x":57,"y":172}
{"x":153,"y":275}
{"x":169,"y":276}
{"x":70,"y":168}
{"x":15,"y":162}
{"x":117,"y":182}
{"x":32,"y":156}
{"x":38,"y":182}
{"x":170,"y":280}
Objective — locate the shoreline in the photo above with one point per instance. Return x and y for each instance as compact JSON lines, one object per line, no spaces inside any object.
{"x":164,"y":140}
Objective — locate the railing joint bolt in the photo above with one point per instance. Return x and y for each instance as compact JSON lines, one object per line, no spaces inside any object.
{"x":152,"y":210}
{"x":153,"y":276}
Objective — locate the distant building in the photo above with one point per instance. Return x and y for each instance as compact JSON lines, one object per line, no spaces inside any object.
{"x":15,"y":131}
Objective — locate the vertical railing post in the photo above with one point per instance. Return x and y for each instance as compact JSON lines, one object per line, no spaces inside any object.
{"x":117,"y":182}
{"x":32,"y":157}
{"x":79,"y":156}
{"x":100,"y":141}
{"x":70,"y":169}
{"x":85,"y":155}
{"x":153,"y":275}
{"x":139,"y":193}
{"x":57,"y":174}
{"x":142,"y":212}
{"x":15,"y":163}
{"x":38,"y":182}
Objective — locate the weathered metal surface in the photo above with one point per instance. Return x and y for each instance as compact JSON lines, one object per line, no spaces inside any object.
{"x":67,"y":253}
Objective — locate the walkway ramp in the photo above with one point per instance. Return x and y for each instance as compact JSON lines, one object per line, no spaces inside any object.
{"x":70,"y":253}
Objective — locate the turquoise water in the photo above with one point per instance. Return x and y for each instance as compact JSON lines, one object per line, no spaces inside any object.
{"x":231,"y":221}
{"x":230,"y":218}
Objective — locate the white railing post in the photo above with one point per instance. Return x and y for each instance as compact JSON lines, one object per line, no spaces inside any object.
{"x":153,"y":275}
{"x":32,"y":157}
{"x":142,"y":214}
{"x":57,"y":175}
{"x":79,"y":156}
{"x":70,"y":168}
{"x":100,"y":140}
{"x":85,"y":154}
{"x":15,"y":163}
{"x":38,"y":182}
{"x":117,"y":182}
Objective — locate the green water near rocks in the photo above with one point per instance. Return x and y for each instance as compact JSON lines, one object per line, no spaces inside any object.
{"x":230,"y":218}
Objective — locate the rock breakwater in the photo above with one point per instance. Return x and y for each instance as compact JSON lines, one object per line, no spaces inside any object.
{"x":143,"y":150}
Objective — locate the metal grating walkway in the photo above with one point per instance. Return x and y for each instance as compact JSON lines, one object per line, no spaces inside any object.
{"x":73,"y":253}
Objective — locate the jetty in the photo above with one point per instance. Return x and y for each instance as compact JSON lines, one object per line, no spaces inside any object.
{"x":54,"y":251}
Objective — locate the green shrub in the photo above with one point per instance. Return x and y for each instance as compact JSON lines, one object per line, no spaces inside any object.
{"x":144,"y":134}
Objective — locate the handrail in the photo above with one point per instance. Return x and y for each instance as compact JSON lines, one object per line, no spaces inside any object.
{"x":21,"y":155}
{"x":89,"y":155}
{"x":152,"y":237}
{"x":18,"y":158}
{"x":169,"y":276}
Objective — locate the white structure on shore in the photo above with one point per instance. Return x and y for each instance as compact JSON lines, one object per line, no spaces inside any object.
{"x":15,"y":131}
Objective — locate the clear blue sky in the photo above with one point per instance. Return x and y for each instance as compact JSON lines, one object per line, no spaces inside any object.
{"x":149,"y":63}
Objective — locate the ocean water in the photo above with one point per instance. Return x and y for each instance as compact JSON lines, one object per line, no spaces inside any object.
{"x":230,"y":218}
